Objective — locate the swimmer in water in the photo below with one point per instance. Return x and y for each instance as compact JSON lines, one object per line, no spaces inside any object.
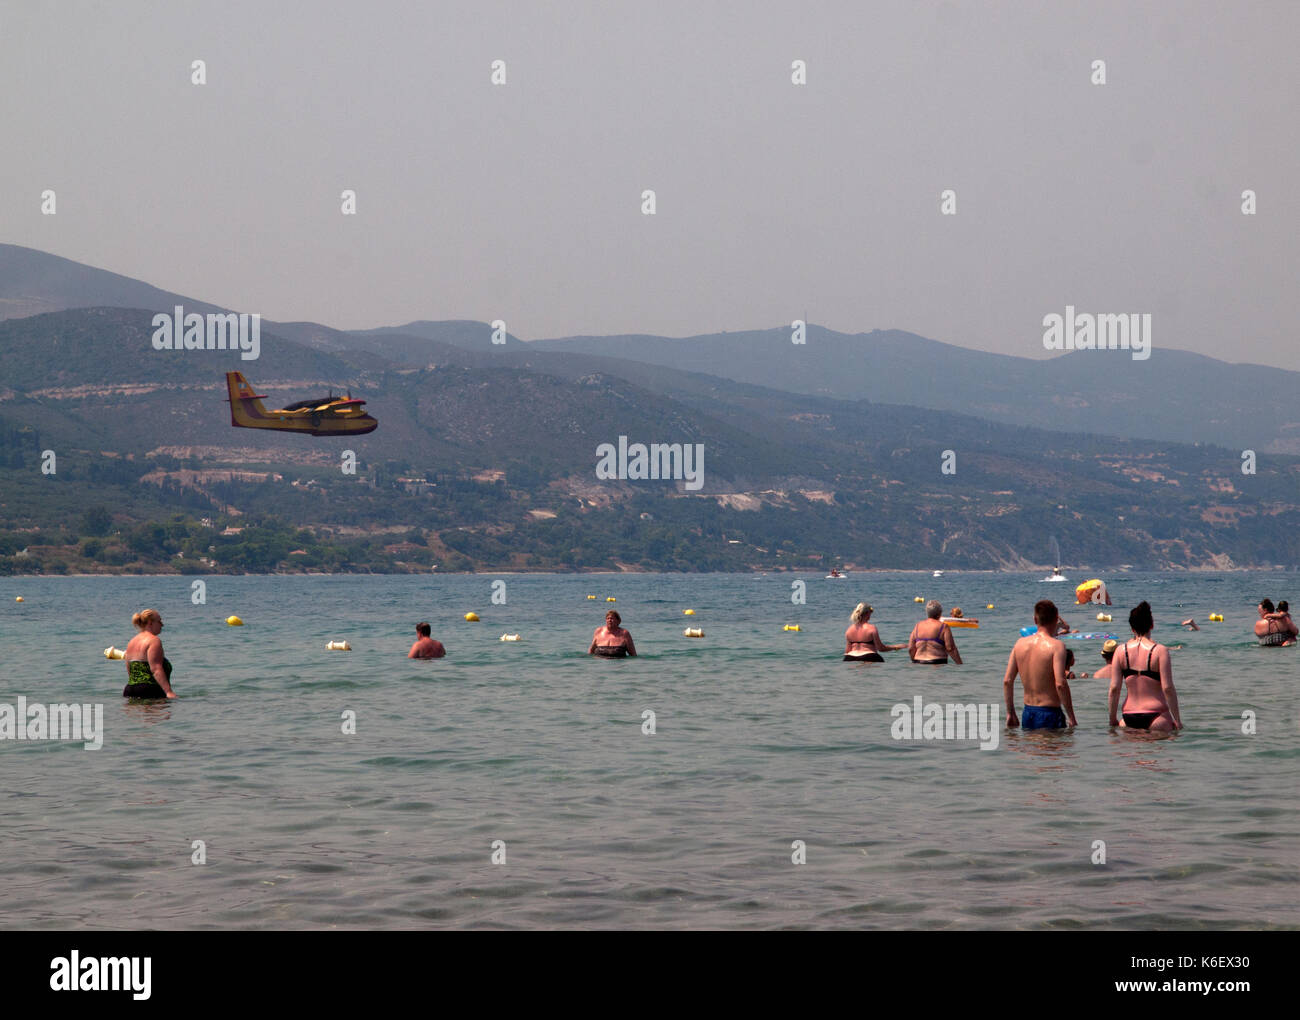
{"x":612,"y":641}
{"x":148,"y":673}
{"x":1190,"y":624}
{"x":1107,"y":653}
{"x":1274,"y":628}
{"x":425,"y":647}
{"x":1152,"y":702}
{"x":862,"y":641}
{"x":1039,"y":659}
{"x":931,"y":640}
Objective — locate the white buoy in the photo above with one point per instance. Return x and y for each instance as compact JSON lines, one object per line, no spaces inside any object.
{"x":509,"y":637}
{"x":114,"y":653}
{"x":339,"y":646}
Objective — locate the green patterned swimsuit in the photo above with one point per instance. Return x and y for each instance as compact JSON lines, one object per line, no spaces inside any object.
{"x":140,"y":682}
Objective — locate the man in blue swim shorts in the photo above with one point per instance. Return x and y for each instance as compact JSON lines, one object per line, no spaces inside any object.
{"x":1039,"y":660}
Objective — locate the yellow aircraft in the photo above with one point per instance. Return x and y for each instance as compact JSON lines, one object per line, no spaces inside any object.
{"x":327,"y":416}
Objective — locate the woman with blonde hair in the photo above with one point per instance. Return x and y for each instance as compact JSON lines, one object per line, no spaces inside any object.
{"x":148,"y":673}
{"x":862,"y":641}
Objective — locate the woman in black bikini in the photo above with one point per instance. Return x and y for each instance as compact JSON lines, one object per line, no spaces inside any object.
{"x":931,"y":632}
{"x":862,"y":641}
{"x":612,"y":641}
{"x":1152,"y":702}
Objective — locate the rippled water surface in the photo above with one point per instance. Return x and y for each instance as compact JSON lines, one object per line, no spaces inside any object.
{"x":763,"y":737}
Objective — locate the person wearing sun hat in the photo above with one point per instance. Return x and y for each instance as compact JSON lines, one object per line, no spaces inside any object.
{"x":1107,"y":653}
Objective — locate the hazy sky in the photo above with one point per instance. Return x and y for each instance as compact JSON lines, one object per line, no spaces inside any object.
{"x":774,"y":201}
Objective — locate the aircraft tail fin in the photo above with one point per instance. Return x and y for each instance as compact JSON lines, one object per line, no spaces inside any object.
{"x":245,"y":405}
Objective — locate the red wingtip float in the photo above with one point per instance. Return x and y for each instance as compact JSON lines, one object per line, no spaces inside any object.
{"x":328,"y":416}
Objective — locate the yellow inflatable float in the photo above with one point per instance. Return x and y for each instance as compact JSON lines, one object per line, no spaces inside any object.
{"x":791,"y":626}
{"x":1092,"y":590}
{"x":234,"y":621}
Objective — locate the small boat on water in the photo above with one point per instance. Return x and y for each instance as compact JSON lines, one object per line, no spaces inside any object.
{"x":938,"y":573}
{"x":1056,"y":576}
{"x":835,"y":575}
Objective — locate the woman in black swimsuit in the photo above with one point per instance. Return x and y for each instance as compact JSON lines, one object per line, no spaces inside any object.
{"x":612,"y":641}
{"x":1152,"y":702}
{"x":862,"y":641}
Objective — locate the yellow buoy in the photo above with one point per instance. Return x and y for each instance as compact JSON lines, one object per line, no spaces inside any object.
{"x":509,"y":637}
{"x":791,"y":626}
{"x":1103,"y":617}
{"x":688,"y":612}
{"x":471,"y":617}
{"x":611,"y":599}
{"x":1216,"y":617}
{"x":918,"y":599}
{"x":693,"y":632}
{"x":989,"y":606}
{"x":114,"y":653}
{"x":234,"y":621}
{"x":591,"y":598}
{"x":18,"y":598}
{"x":338,"y":646}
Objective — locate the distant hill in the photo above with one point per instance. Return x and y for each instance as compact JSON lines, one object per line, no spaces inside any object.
{"x":32,"y":282}
{"x":1174,"y":396}
{"x":486,"y":459}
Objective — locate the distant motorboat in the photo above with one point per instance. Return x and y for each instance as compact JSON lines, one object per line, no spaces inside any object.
{"x":835,"y":575}
{"x":1056,"y":576}
{"x":938,"y":573}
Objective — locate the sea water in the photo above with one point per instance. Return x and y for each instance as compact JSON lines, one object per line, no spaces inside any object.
{"x":517,"y":785}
